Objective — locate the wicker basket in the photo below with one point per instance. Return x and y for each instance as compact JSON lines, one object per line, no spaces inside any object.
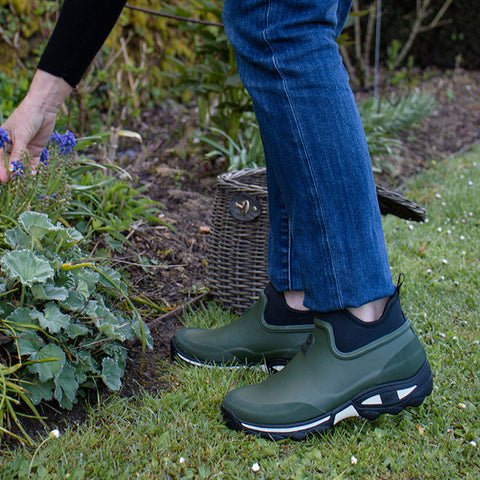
{"x":237,"y":247}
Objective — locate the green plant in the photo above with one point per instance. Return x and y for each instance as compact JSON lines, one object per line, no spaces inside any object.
{"x":213,"y":79}
{"x":12,"y":91}
{"x":48,"y":190}
{"x":396,"y":112}
{"x":105,"y":204}
{"x":140,"y":47}
{"x":246,"y":153}
{"x":12,"y":394}
{"x":383,"y":118}
{"x":64,"y":317}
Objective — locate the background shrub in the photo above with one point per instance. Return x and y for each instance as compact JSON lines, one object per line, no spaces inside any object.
{"x":453,"y":42}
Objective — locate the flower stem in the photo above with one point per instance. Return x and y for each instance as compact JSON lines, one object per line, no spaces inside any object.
{"x":22,"y":296}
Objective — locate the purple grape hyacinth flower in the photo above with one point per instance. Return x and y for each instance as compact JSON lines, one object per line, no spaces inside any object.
{"x":44,"y":157}
{"x":17,"y":168}
{"x":3,"y":137}
{"x":66,"y":142}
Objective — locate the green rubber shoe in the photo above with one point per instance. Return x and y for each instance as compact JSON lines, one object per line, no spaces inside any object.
{"x":322,"y":385}
{"x":249,"y":340}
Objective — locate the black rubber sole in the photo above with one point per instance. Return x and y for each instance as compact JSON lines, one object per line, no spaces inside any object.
{"x":389,"y":398}
{"x":273,"y":365}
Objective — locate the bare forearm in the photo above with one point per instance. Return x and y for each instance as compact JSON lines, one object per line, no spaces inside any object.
{"x":47,"y":92}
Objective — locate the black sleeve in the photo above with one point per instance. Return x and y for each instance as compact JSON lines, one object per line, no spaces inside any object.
{"x":81,"y":30}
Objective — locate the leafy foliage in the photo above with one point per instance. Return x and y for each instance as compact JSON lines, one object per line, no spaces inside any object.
{"x":246,"y":153}
{"x":105,"y":204}
{"x":12,"y":91}
{"x":213,"y":78}
{"x":396,"y":113}
{"x":62,"y":315}
{"x":383,"y":118}
{"x":48,"y":190}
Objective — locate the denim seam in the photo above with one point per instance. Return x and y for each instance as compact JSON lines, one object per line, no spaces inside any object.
{"x":289,"y":262}
{"x":307,"y":158}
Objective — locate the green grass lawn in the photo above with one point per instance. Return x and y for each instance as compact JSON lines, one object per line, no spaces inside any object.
{"x":180,"y":433}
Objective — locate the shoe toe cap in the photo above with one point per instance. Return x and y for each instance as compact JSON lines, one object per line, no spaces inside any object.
{"x":195,"y":343}
{"x":252,"y":406}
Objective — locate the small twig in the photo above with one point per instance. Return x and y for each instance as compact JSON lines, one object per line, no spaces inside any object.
{"x":134,"y":229}
{"x":417,"y":27}
{"x":135,"y":264}
{"x":175,"y":311}
{"x":174,"y":17}
{"x":133,"y":83}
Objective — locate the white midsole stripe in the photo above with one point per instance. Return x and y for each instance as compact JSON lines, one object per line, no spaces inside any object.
{"x":350,"y":411}
{"x":375,"y":400}
{"x":299,"y":428}
{"x":260,"y":366}
{"x":404,"y":392}
{"x":207,"y":365}
{"x":192,"y":362}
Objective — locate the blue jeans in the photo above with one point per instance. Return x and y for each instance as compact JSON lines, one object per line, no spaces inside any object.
{"x":326,"y":235}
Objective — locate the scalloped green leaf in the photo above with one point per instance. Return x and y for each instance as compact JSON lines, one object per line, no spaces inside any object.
{"x":83,"y":290}
{"x":36,"y":224}
{"x":21,"y":315}
{"x":17,"y":238}
{"x":111,"y":374}
{"x":74,"y":301}
{"x":117,"y":352}
{"x":89,"y":277}
{"x":39,"y":391}
{"x":66,"y":386}
{"x":111,"y":278}
{"x":29,"y":342}
{"x":27,"y":267}
{"x":138,"y":325}
{"x":75,"y":330}
{"x":49,"y":292}
{"x":50,"y":361}
{"x":65,"y":236}
{"x":3,"y":285}
{"x":109,"y":324}
{"x":52,"y":319}
{"x":87,"y":363}
{"x":74,"y":234}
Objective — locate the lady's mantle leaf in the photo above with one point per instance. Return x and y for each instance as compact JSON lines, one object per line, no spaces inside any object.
{"x":25,"y":266}
{"x":39,"y":391}
{"x":21,"y":318}
{"x":50,"y":360}
{"x":17,"y":238}
{"x":29,"y":342}
{"x":75,"y":330}
{"x":66,"y":387}
{"x":52,"y":319}
{"x":109,"y":324}
{"x":49,"y":292}
{"x":36,"y":224}
{"x":111,"y":374}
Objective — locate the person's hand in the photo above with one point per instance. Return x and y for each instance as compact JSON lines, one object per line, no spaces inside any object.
{"x":30,"y":126}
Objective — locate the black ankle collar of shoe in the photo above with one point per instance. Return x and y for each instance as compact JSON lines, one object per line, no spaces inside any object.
{"x":277,"y":311}
{"x":351,"y":333}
